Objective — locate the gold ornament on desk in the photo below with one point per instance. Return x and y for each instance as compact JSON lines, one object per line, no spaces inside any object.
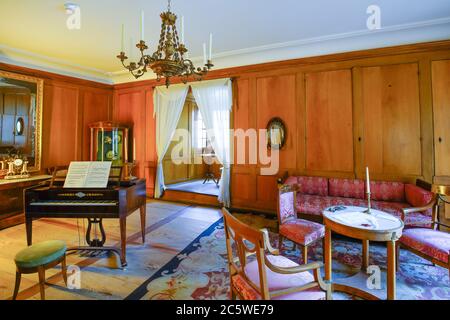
{"x":17,"y":168}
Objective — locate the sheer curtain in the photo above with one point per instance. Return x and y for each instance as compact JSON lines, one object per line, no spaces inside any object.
{"x":169,"y":103}
{"x":214,"y":99}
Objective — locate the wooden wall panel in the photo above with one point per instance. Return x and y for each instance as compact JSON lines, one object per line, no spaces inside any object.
{"x":267,"y":192}
{"x":441,"y":105}
{"x":392,"y":128}
{"x":276,"y":97}
{"x":243,"y":189}
{"x":329,"y":130}
{"x":135,"y":108}
{"x":61,"y":139}
{"x":96,"y":106}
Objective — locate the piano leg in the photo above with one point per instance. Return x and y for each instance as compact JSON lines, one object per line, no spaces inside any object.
{"x":143,"y":210}
{"x":123,"y":241}
{"x":29,"y":230}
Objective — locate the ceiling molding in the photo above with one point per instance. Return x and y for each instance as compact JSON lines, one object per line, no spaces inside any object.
{"x":423,"y":31}
{"x":33,"y":60}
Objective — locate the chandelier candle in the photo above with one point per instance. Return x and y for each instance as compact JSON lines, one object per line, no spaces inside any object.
{"x":123,"y":38}
{"x":210,"y":46}
{"x":182,"y":30}
{"x":142,"y":25}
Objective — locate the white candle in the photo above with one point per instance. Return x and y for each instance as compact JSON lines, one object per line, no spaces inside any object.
{"x":367,"y":180}
{"x":134,"y":149}
{"x":210,"y":46}
{"x":182,"y":29}
{"x":142,"y":25}
{"x":123,"y":38}
{"x":204,"y":54}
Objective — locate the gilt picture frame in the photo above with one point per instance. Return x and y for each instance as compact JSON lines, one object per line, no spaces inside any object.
{"x":35,"y":158}
{"x":276,"y":134}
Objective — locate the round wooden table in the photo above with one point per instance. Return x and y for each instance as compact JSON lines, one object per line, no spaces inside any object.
{"x":378,"y":226}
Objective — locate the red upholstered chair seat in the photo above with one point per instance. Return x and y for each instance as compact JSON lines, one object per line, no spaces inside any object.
{"x":433,"y":243}
{"x":276,"y":281}
{"x":301,"y":231}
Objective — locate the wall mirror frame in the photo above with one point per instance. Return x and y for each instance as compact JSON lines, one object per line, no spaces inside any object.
{"x":26,"y":125}
{"x":276,"y":134}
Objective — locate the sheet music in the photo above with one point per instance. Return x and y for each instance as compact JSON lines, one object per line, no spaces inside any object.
{"x":84,"y":174}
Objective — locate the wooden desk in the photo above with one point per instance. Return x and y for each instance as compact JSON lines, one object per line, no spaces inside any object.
{"x":11,"y":199}
{"x":378,"y":226}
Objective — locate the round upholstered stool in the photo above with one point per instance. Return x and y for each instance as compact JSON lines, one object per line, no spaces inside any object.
{"x":38,"y":258}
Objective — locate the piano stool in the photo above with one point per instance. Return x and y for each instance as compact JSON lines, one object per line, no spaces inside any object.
{"x":38,"y":258}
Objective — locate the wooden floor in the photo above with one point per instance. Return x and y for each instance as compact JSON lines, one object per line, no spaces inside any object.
{"x":170,"y":228}
{"x":196,"y":186}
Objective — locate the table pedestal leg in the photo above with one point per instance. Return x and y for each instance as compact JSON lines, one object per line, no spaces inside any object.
{"x":327,"y":254}
{"x":391,"y":276}
{"x":365,"y":254}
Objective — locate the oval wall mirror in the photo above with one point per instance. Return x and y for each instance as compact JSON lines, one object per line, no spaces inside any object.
{"x":20,"y":126}
{"x":276,"y":134}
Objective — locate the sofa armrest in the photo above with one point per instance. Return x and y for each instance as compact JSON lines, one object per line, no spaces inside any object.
{"x":283,"y":178}
{"x":429,"y":206}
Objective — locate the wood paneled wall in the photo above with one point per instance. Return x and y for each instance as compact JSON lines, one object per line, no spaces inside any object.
{"x":342,"y":112}
{"x":70,"y":104}
{"x":134,"y":106}
{"x":386,"y":108}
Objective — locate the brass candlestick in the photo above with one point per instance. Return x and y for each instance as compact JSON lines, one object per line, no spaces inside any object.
{"x":368,"y":211}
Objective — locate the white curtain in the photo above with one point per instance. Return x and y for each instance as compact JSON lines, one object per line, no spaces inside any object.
{"x":214,"y":99}
{"x":168,"y":105}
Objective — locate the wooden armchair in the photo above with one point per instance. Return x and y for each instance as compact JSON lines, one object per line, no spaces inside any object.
{"x":300,"y":231}
{"x":428,"y":242}
{"x":256,"y":275}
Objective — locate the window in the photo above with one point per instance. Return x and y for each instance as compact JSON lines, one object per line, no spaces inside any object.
{"x":199,"y":133}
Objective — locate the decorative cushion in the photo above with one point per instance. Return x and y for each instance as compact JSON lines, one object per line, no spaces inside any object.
{"x":313,"y":185}
{"x":276,"y":281}
{"x":433,"y":243}
{"x":387,"y":191}
{"x":40,"y":254}
{"x":417,"y":196}
{"x":347,"y":188}
{"x":287,"y":208}
{"x":301,"y":231}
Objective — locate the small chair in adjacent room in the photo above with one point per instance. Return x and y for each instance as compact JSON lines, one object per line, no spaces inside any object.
{"x":429,"y":242}
{"x":301,"y":232}
{"x":38,"y":258}
{"x":258,"y":272}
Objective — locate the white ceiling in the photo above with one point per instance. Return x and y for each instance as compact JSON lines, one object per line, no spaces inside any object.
{"x":34,"y":33}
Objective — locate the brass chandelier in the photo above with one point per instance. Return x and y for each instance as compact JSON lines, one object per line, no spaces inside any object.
{"x":169,"y":60}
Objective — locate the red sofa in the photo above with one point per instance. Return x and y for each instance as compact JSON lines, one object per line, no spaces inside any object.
{"x":315,"y":194}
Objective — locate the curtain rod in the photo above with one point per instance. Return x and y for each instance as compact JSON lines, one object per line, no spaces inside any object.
{"x":231,"y":78}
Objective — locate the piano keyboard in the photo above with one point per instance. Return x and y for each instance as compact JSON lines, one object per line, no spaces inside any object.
{"x":101,"y":203}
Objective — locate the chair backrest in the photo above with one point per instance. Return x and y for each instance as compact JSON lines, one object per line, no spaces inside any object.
{"x":247,"y":241}
{"x":286,"y":203}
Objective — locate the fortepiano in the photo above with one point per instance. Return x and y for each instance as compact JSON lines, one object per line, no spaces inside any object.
{"x":117,"y":201}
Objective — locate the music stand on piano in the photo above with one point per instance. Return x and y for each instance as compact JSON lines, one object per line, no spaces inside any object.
{"x":118,"y":200}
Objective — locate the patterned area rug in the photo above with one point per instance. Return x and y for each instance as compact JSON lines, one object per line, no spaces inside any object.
{"x":200,"y":270}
